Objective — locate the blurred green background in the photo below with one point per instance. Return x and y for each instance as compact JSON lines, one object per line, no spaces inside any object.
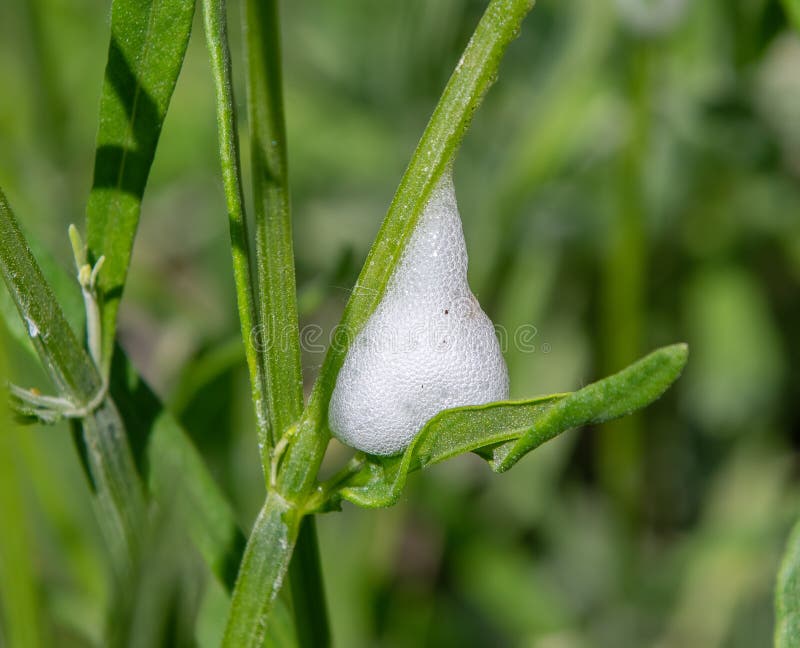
{"x":632,"y":180}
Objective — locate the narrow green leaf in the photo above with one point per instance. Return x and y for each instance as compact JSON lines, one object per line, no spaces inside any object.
{"x":177,"y":472}
{"x":379,"y":481}
{"x":119,"y":492}
{"x":261,"y":575}
{"x":62,"y":355}
{"x":787,"y":595}
{"x":277,"y":296}
{"x":503,"y":432}
{"x":145,"y":53}
{"x":622,"y":393}
{"x":173,"y":462}
{"x":474,"y":74}
{"x":219,"y":52}
{"x":117,"y":486}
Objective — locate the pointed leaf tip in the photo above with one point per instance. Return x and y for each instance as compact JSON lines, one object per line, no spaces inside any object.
{"x":620,"y":394}
{"x":504,"y":432}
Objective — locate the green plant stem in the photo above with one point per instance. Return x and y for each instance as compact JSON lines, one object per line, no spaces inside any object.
{"x":208,"y":517}
{"x":299,"y":464}
{"x":277,"y":296}
{"x":119,"y":492}
{"x":118,"y":489}
{"x":275,"y":373}
{"x":219,"y":52}
{"x":264,"y":565}
{"x":308,"y":593}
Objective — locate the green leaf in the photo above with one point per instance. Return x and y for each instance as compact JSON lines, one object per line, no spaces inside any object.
{"x":145,"y":53}
{"x":787,"y":595}
{"x":504,"y":432}
{"x":62,"y":355}
{"x":117,"y":486}
{"x":175,"y":473}
{"x":174,"y":468}
{"x":622,"y":393}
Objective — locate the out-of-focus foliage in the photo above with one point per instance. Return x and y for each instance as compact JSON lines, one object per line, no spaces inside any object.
{"x":633,"y":179}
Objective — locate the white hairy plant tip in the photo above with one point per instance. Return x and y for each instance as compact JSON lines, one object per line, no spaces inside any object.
{"x":427,"y":347}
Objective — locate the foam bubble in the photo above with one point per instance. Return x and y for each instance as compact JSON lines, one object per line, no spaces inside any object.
{"x":427,"y":347}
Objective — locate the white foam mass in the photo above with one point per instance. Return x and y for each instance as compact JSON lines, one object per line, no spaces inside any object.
{"x":427,"y":347}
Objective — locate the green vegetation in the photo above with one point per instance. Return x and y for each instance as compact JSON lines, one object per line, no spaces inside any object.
{"x":632,"y":180}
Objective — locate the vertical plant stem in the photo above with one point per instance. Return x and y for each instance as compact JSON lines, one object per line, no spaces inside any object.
{"x":277,"y":298}
{"x":308,"y":593}
{"x":620,"y":450}
{"x":215,"y":23}
{"x":276,"y":283}
{"x":119,"y":491}
{"x":264,"y":565}
{"x":278,"y":525}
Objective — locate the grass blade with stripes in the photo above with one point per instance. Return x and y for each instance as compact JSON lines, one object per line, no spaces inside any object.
{"x":145,"y":54}
{"x":118,"y":489}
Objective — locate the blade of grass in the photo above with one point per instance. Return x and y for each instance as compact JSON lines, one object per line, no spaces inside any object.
{"x":120,"y":497}
{"x":172,"y":460}
{"x":620,"y":445}
{"x":206,"y":514}
{"x":63,"y":357}
{"x":176,"y":474}
{"x":145,"y":54}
